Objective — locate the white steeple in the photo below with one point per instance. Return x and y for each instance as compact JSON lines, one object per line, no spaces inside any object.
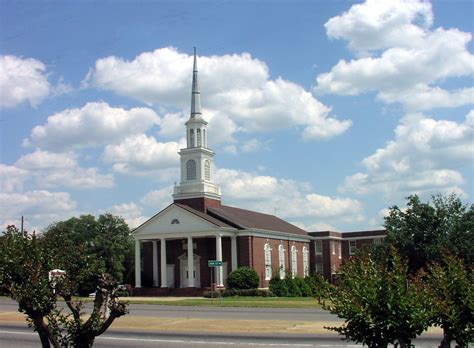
{"x":197,"y":161}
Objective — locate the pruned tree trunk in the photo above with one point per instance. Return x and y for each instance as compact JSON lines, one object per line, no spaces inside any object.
{"x":44,"y":333}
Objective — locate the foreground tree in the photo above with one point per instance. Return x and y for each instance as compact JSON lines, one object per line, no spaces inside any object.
{"x":378,"y":300}
{"x":87,"y":247}
{"x":25,"y":262}
{"x":449,"y":285}
{"x":424,"y":232}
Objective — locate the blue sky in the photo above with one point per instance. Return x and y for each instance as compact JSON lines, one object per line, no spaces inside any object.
{"x":323,"y":112}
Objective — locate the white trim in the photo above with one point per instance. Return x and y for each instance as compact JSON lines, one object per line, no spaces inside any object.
{"x":180,"y":235}
{"x":274,"y":235}
{"x":359,"y":238}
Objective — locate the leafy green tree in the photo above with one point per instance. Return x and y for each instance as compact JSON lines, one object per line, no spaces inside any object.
{"x":25,"y":262}
{"x":278,"y":286}
{"x":449,"y":285}
{"x":96,"y":246}
{"x":378,"y":300}
{"x":425,"y":231}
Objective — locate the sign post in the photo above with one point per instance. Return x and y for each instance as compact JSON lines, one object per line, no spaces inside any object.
{"x":213,"y":264}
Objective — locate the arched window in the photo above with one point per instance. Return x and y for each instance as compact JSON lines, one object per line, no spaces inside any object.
{"x":191,"y":138}
{"x":198,"y":136}
{"x":268,"y":261}
{"x":294,"y":261}
{"x":281,"y":261}
{"x":191,"y":170}
{"x":207,"y":170}
{"x":204,"y":139}
{"x":305,"y":262}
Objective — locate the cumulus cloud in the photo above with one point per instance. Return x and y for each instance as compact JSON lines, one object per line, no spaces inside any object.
{"x":39,"y":207}
{"x":22,"y":79}
{"x":61,"y":170}
{"x":425,"y":157}
{"x":12,"y":178}
{"x":158,"y":199}
{"x":94,"y":124}
{"x":130,"y":212}
{"x":140,"y":154}
{"x":414,"y":60}
{"x":267,"y":193}
{"x":235,"y":88}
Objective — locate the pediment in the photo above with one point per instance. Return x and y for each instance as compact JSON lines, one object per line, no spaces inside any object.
{"x":174,"y":220}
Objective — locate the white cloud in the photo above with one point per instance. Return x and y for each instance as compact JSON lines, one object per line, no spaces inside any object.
{"x":130,"y":212}
{"x":141,"y":154}
{"x":425,"y":157}
{"x":290,"y":198}
{"x":39,"y":207}
{"x":22,"y":79}
{"x":12,"y":178}
{"x":235,"y":88}
{"x":92,"y":125}
{"x":61,"y":170}
{"x":158,"y":199}
{"x":378,"y":24}
{"x":414,"y":58}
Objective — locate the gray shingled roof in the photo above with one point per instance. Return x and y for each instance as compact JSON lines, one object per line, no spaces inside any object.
{"x":246,"y":219}
{"x":204,"y":216}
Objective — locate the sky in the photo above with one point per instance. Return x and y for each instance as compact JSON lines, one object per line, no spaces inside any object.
{"x":325,"y":113}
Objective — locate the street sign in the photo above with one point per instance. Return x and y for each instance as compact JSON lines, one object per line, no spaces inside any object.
{"x":214,"y":263}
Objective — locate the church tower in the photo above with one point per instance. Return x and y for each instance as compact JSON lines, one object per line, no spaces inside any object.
{"x":197,"y":188}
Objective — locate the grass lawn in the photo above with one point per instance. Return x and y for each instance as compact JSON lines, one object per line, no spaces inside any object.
{"x":236,"y":301}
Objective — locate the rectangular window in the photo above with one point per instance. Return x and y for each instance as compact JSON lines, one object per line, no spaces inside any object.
{"x":333,"y":268}
{"x":352,"y":247}
{"x":319,"y":268}
{"x":333,"y":247}
{"x":377,"y":241}
{"x":319,"y":247}
{"x":339,"y":249}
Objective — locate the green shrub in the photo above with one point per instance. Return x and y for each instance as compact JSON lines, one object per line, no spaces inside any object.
{"x":305,"y":289}
{"x":319,"y":286}
{"x":243,"y":278}
{"x":235,"y":292}
{"x":293,"y":289}
{"x":278,"y":286}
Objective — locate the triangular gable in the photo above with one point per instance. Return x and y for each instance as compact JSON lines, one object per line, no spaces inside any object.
{"x":174,"y":220}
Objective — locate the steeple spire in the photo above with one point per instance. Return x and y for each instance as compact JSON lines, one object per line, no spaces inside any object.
{"x":195,"y":94}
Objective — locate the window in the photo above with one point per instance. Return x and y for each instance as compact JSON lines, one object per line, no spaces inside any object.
{"x":268,"y":261}
{"x":333,"y":247}
{"x":319,"y":268}
{"x":207,"y":170}
{"x":175,"y":222}
{"x":191,"y":170}
{"x":294,"y":261}
{"x":281,"y":261}
{"x":191,"y":138}
{"x":204,"y":140}
{"x":352,"y":247}
{"x":339,"y":249}
{"x":318,"y":247}
{"x":198,"y":136}
{"x":333,"y":268}
{"x":305,"y":262}
{"x":377,"y":241}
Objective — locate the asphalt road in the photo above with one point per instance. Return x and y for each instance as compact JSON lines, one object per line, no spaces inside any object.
{"x":147,"y":310}
{"x":15,"y":336}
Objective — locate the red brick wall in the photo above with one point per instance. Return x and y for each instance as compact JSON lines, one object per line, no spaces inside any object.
{"x":200,"y":203}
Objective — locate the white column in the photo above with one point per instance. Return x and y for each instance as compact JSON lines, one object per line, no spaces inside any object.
{"x":190,"y":263}
{"x":233,"y":251}
{"x":155,"y":263}
{"x":219,"y":280}
{"x":164,"y":283}
{"x":138,"y":271}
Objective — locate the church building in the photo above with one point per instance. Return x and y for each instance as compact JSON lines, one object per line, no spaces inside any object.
{"x":173,"y":248}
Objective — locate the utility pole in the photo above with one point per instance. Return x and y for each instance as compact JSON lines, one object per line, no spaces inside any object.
{"x":22,"y":223}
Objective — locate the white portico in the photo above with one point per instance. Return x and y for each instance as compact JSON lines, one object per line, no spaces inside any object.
{"x":177,"y":230}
